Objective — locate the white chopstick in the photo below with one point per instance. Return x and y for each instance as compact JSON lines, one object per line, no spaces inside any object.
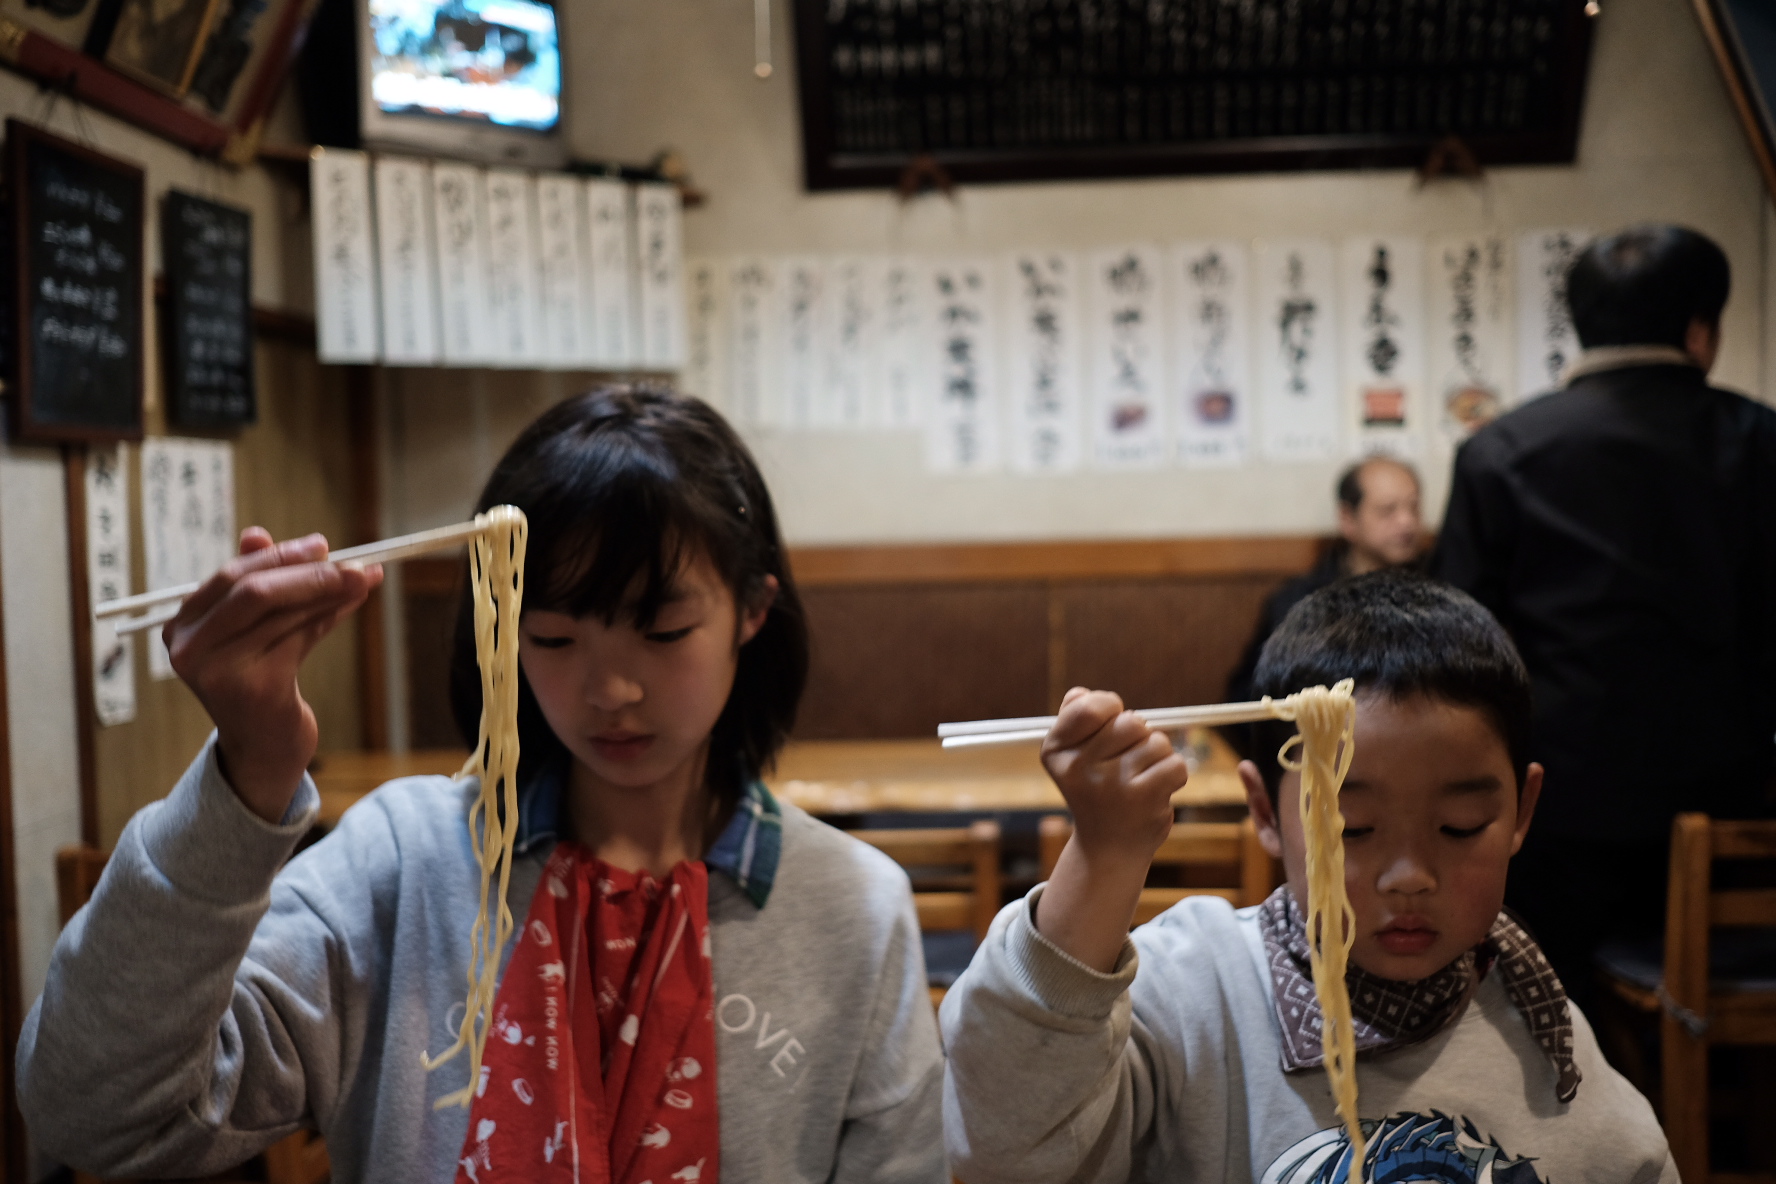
{"x":386,"y":551}
{"x":975,"y":733}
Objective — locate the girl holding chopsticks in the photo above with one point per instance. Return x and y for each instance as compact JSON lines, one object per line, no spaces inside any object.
{"x":704,"y":981}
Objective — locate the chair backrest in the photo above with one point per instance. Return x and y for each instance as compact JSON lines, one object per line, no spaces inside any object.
{"x":955,"y":872}
{"x":1232,"y":848}
{"x":77,"y":873}
{"x":1694,"y":906}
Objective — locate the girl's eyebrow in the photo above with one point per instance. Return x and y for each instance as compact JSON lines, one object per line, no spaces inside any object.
{"x":1486,"y":783}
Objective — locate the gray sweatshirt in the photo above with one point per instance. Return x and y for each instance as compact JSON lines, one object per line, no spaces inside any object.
{"x":1060,"y":1073}
{"x":205,"y":1004}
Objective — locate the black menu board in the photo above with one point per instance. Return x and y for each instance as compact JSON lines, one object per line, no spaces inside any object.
{"x":209,"y":334}
{"x":1035,"y":89}
{"x":75,"y":368}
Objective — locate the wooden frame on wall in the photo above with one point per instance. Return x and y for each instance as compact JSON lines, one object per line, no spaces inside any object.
{"x":916,"y":107}
{"x":1734,"y":30}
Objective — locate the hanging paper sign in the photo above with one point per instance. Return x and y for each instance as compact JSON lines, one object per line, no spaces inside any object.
{"x":660,"y":263}
{"x":1384,"y":363}
{"x":613,"y":315}
{"x":706,"y":345}
{"x":1213,"y":383}
{"x":459,"y":223}
{"x":408,"y":266}
{"x":963,"y":435}
{"x":1297,"y":350}
{"x":801,"y":288}
{"x":512,"y":268}
{"x":1470,"y":332}
{"x":1126,"y":355}
{"x":1042,"y":361}
{"x":187,"y":519}
{"x":108,"y":578}
{"x":752,"y":343}
{"x":558,"y":241}
{"x":903,"y":345}
{"x":853,"y":307}
{"x":347,"y":318}
{"x":1546,"y":339}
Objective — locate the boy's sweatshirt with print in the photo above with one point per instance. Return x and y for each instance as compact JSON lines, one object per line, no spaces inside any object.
{"x":1170,"y":1069}
{"x":205,"y":1004}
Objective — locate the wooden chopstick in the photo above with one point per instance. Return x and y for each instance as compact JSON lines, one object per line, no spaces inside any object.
{"x":974,"y":733}
{"x":386,"y":551}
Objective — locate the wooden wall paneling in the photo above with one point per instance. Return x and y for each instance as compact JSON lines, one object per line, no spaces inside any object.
{"x":899,"y":660}
{"x":1159,"y":643}
{"x":432,"y":587}
{"x":1073,"y":559}
{"x":79,"y":592}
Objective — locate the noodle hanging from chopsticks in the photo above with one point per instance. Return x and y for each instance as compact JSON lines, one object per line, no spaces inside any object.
{"x":1325,"y":722}
{"x":496,"y":571}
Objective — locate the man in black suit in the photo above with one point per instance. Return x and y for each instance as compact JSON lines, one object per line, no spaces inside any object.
{"x":1378,"y":526}
{"x":1623,"y":528}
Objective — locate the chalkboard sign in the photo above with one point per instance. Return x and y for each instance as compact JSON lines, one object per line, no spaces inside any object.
{"x":209,"y":332}
{"x":1034,"y":89}
{"x":76,"y":262}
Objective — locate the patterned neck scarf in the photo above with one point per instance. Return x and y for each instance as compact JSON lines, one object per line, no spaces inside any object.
{"x":1388,"y":1015}
{"x":600,"y":1065}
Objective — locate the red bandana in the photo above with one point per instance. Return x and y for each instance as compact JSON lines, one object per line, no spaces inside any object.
{"x":600,"y":1066}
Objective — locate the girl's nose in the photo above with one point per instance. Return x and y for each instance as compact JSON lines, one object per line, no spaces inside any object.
{"x":612,"y":691}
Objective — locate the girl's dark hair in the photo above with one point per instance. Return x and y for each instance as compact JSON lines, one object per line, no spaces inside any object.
{"x":1402,"y":635}
{"x":623,"y":486}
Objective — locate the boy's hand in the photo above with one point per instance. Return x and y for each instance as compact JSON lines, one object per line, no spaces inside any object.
{"x":238,"y":642}
{"x":1118,"y":776}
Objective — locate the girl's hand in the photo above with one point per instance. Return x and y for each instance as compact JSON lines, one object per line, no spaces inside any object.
{"x":1118,"y":776}
{"x":238,"y":642}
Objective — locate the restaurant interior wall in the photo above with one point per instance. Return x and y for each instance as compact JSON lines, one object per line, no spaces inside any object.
{"x":1659,"y":141}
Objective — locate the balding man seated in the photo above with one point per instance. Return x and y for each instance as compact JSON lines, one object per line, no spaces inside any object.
{"x":1378,"y":526}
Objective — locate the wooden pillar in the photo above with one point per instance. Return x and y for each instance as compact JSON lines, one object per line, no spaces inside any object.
{"x":80,"y":609}
{"x":372,"y":661}
{"x":12,"y":1123}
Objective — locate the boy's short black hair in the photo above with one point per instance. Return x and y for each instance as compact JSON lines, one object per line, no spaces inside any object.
{"x":1400,"y":634}
{"x":622,"y":485}
{"x":1644,"y":285}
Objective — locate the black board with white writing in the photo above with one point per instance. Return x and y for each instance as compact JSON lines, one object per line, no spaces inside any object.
{"x":74,"y":368}
{"x":209,"y":357}
{"x":1041,"y":89}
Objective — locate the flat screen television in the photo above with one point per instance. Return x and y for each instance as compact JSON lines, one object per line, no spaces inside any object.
{"x":465,"y":79}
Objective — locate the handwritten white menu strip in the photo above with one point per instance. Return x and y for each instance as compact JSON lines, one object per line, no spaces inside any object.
{"x":407,"y":253}
{"x":558,"y":237}
{"x":1546,"y":340}
{"x":1126,"y":345}
{"x":1042,"y":361}
{"x":753,"y":343}
{"x":513,"y":269}
{"x":608,"y":215}
{"x":1211,"y":319}
{"x":1297,"y":342}
{"x":963,"y":434}
{"x":347,"y":320}
{"x":1469,"y":333}
{"x":705,"y":371}
{"x":459,"y":223}
{"x":108,"y":577}
{"x":1382,"y":305}
{"x":660,"y":265}
{"x":187,"y":518}
{"x":801,"y":302}
{"x":906,"y":356}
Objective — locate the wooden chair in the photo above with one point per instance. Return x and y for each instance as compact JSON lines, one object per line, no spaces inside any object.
{"x":1228,"y":847}
{"x":1698,"y":1010}
{"x":955,"y":874}
{"x":300,"y":1158}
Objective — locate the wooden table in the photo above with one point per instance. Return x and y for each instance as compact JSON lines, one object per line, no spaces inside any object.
{"x":848,"y":776}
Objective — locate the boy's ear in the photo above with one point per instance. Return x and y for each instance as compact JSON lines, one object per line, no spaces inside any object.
{"x":1263,"y":813}
{"x":1526,"y":804}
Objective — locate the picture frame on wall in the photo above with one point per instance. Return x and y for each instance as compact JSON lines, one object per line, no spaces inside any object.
{"x":74,"y":366}
{"x":161,"y":41}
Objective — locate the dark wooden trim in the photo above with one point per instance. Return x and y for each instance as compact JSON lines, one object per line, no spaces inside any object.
{"x":12,"y":1014}
{"x":280,"y":55}
{"x":952,"y":563}
{"x":24,"y":422}
{"x":1729,"y":56}
{"x":91,"y":81}
{"x":372,"y":664}
{"x":80,"y":609}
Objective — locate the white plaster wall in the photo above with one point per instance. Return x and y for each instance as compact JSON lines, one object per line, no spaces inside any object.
{"x":1659,"y":142}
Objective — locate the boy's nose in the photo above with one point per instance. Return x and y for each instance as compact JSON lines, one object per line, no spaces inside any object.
{"x":1406,"y":873}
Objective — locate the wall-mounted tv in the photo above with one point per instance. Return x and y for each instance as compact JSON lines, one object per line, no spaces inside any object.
{"x":469,"y":79}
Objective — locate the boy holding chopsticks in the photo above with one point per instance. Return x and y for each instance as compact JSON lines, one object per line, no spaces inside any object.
{"x":1189,"y":1050}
